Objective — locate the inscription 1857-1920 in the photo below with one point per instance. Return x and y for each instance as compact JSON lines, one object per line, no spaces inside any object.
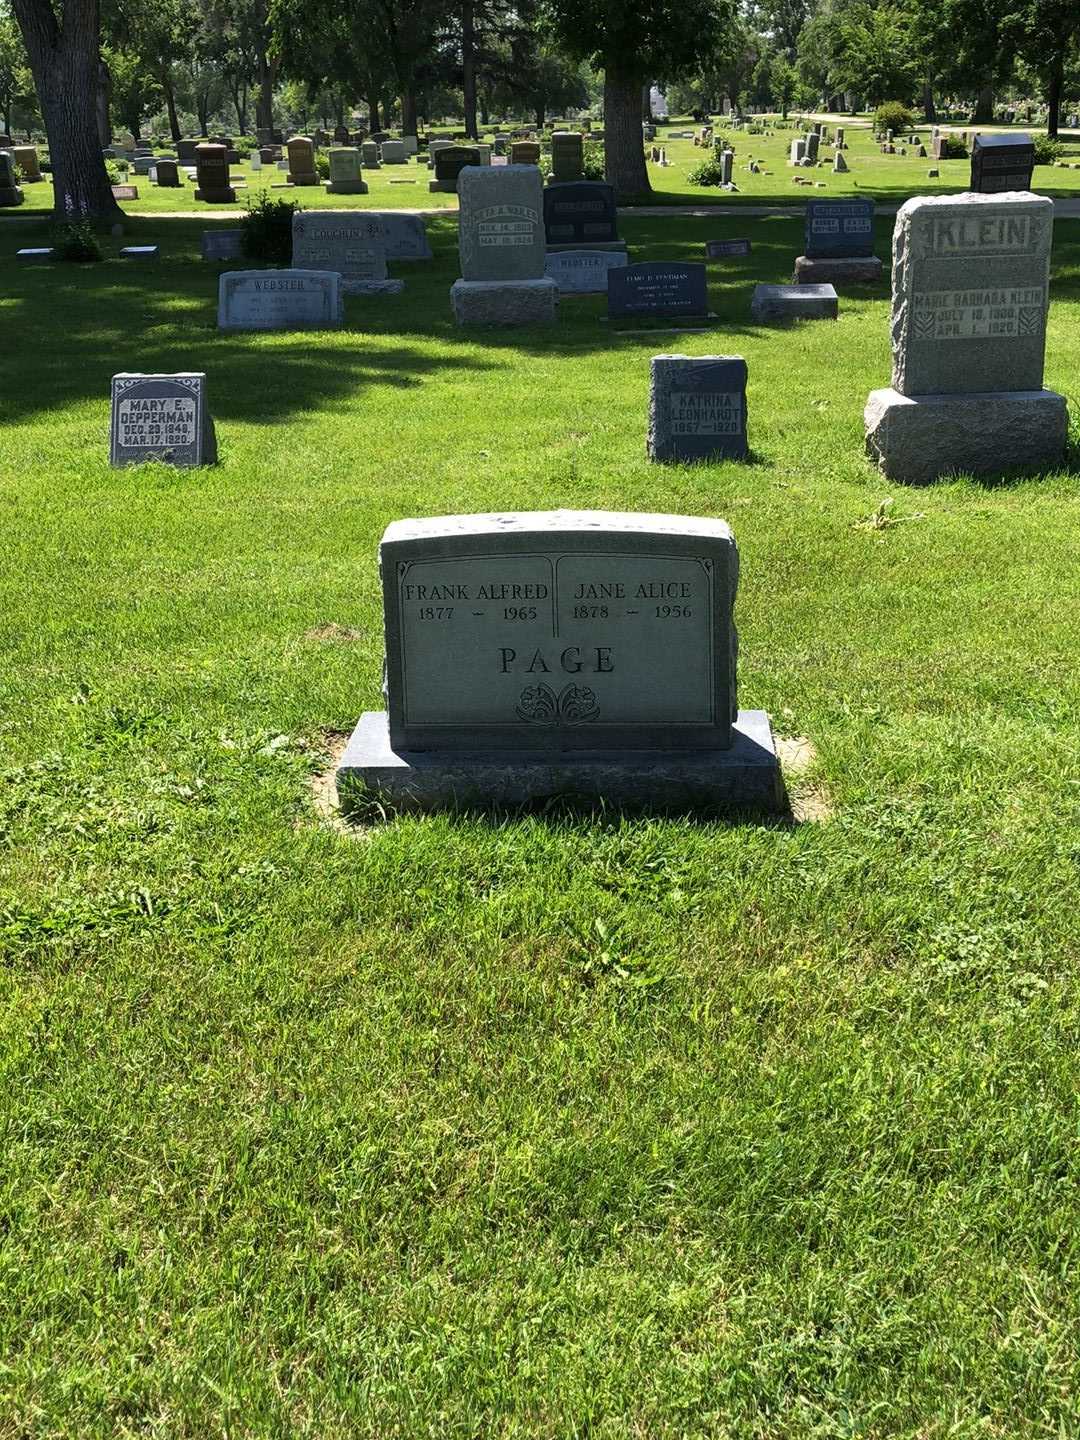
{"x":554,"y":632}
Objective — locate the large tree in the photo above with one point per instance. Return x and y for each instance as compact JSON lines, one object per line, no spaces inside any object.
{"x":63,"y":39}
{"x":1046,"y":35}
{"x":631,"y":43}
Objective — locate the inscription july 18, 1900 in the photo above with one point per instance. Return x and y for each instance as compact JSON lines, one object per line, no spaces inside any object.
{"x":558,"y":639}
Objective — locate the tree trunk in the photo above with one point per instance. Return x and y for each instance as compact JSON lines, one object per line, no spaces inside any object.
{"x":485,"y":111}
{"x":373,"y":117}
{"x":541,"y":115}
{"x":468,"y":67}
{"x":170,"y":105}
{"x":929,"y":109}
{"x":264,"y":104}
{"x":202,"y":107}
{"x":1054,"y":83}
{"x":408,"y":111}
{"x":646,"y":103}
{"x":983,"y":113}
{"x":103,"y":100}
{"x":64,"y":59}
{"x":624,"y":153}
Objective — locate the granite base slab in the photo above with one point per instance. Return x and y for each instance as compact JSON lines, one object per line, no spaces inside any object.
{"x":504,"y":302}
{"x":863,"y":270}
{"x":746,"y":777}
{"x":918,"y":438}
{"x":794,"y":302}
{"x":372,"y":287}
{"x":345,"y":187}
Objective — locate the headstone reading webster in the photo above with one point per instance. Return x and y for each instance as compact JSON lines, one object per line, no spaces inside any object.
{"x":301,"y":152}
{"x":567,"y":156}
{"x":582,"y":272}
{"x":697,"y":408}
{"x":345,"y":177}
{"x":1001,"y":163}
{"x":581,"y":215}
{"x":280,"y":300}
{"x":970,"y":300}
{"x":10,"y":193}
{"x":350,"y":242}
{"x":661,"y":288}
{"x":449,"y":163}
{"x":212,"y":175}
{"x":568,"y":652}
{"x":501,"y":243}
{"x":161,"y":417}
{"x":839,"y":243}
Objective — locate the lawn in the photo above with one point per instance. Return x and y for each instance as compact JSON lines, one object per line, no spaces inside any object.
{"x":888,"y":178}
{"x":544,"y":1125}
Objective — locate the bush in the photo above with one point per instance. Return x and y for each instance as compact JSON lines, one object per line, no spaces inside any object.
{"x":593,"y":159}
{"x":75,"y":240}
{"x":266,"y":230}
{"x":115,"y":174}
{"x":707,"y":173}
{"x":244,"y":146}
{"x":322,"y":165}
{"x":953,"y":148}
{"x":894,"y":116}
{"x":1047,"y":150}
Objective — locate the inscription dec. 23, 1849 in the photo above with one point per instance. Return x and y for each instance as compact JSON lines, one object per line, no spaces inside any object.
{"x":560,"y":636}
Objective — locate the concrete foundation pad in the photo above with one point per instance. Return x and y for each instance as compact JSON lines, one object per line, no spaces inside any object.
{"x":372,"y":287}
{"x":504,"y":302}
{"x":919,"y":438}
{"x":794,"y":302}
{"x":343,"y":187}
{"x":746,"y":777}
{"x":863,"y":270}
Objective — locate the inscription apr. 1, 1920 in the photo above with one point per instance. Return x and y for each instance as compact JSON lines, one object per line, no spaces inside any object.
{"x":556,"y":639}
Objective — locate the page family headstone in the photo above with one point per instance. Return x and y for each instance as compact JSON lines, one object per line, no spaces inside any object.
{"x":280,"y":300}
{"x":970,"y":301}
{"x":161,"y":417}
{"x":581,"y":215}
{"x":1001,"y":163}
{"x":501,"y":245}
{"x":567,"y":652}
{"x":212,"y":175}
{"x":697,"y":408}
{"x":839,"y":243}
{"x":348,"y":241}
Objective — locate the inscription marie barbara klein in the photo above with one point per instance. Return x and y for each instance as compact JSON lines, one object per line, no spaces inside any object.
{"x":557,"y":639}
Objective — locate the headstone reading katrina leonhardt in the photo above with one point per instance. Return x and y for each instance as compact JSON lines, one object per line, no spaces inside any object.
{"x":280,"y":300}
{"x":660,"y":288}
{"x":1002,"y":163}
{"x":581,"y":215}
{"x":970,"y":301}
{"x":582,"y":272}
{"x":348,"y":241}
{"x":568,"y":652}
{"x":839,"y":243}
{"x":161,"y":417}
{"x":501,"y":244}
{"x":697,"y":408}
{"x":212,"y":175}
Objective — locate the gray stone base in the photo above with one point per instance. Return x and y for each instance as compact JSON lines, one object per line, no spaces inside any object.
{"x":346,"y":187}
{"x":302,"y":180}
{"x":442,"y":187}
{"x":504,"y":302}
{"x":746,"y":777}
{"x":38,"y":256}
{"x":217,"y":197}
{"x":864,"y":270}
{"x":794,"y":302}
{"x":916,"y":439}
{"x":372,"y":287}
{"x":617,"y":245}
{"x":11,"y":195}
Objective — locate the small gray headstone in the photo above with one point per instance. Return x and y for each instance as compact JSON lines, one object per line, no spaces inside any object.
{"x":222,"y":244}
{"x":140,"y":252}
{"x":161,"y":417}
{"x":37,"y":255}
{"x":794,"y":302}
{"x":697,"y":407}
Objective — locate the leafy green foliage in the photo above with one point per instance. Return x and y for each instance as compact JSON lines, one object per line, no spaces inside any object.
{"x":1047,"y":150}
{"x":76,"y":240}
{"x":893,"y":115}
{"x":953,"y":148}
{"x":266,"y":229}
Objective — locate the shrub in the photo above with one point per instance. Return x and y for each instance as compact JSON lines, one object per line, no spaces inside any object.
{"x":116,"y":176}
{"x":75,"y":240}
{"x":1047,"y":150}
{"x":894,"y":116}
{"x":707,"y":173}
{"x":953,"y":148}
{"x":244,"y":146}
{"x":593,"y":159}
{"x":266,"y":230}
{"x":322,"y":165}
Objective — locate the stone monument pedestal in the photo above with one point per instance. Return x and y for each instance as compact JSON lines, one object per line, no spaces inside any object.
{"x":918,"y":438}
{"x":504,"y":302}
{"x":745,"y":777}
{"x":856,"y":270}
{"x":217,"y":197}
{"x":346,"y":187}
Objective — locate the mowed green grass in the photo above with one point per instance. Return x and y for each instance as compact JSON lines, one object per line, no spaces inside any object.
{"x":540,"y":1125}
{"x":887,"y":178}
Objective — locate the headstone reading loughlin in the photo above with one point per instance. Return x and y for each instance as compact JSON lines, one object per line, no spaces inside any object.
{"x":501,"y":244}
{"x":839,"y":243}
{"x":697,"y":408}
{"x":161,"y":417}
{"x":568,"y":652}
{"x":970,"y":300}
{"x":280,"y":300}
{"x":348,"y":241}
